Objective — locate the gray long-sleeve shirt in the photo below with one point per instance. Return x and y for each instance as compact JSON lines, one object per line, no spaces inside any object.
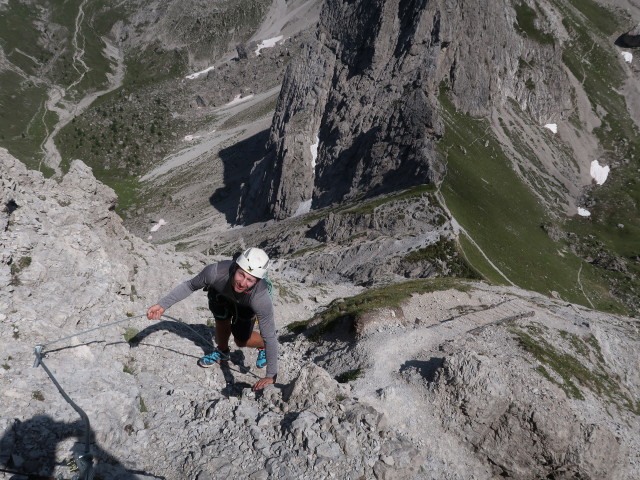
{"x":217,"y":276}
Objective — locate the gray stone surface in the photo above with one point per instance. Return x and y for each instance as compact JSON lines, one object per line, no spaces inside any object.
{"x":366,"y":90}
{"x":437,"y":398}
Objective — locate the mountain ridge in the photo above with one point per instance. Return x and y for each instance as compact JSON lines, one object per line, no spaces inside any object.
{"x":460,"y":360}
{"x":391,"y":366}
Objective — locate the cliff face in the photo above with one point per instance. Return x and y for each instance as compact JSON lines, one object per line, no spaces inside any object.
{"x":467,"y":381}
{"x":365,"y":95}
{"x":68,"y":265}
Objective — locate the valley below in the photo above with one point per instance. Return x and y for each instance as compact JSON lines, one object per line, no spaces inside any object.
{"x":445,"y":307}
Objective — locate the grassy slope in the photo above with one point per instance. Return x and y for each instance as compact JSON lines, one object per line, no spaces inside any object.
{"x":504,"y":218}
{"x":390,"y":296}
{"x":23,"y":121}
{"x":617,"y":201}
{"x":109,"y":129}
{"x":21,"y":99}
{"x":126,"y":131}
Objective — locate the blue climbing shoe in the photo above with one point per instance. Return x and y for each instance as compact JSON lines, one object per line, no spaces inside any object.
{"x":214,"y":357}
{"x":261,"y":361}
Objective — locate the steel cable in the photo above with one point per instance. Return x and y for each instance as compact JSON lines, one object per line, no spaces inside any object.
{"x":85,"y":461}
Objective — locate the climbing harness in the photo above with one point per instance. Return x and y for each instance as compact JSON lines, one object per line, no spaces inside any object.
{"x":267,"y":280}
{"x":82,"y":465}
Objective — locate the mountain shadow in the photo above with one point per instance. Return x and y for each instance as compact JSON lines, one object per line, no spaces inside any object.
{"x":200,"y":335}
{"x":28,"y":450}
{"x":426,"y":369}
{"x":238,"y":161}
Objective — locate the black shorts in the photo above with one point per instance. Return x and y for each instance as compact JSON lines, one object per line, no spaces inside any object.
{"x":243,"y":319}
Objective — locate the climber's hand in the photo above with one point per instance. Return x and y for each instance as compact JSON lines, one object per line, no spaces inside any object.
{"x":155,"y":312}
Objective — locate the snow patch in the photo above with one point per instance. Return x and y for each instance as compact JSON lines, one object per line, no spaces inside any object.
{"x":197,"y":74}
{"x":304,"y":207}
{"x":314,"y":152}
{"x":269,"y":43}
{"x":628,"y":56}
{"x":552,"y":126}
{"x":238,"y":99}
{"x":157,"y":226}
{"x":583,"y":212}
{"x":599,"y":172}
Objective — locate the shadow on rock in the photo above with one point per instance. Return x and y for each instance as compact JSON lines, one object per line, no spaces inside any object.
{"x":201,"y":335}
{"x":232,"y":387}
{"x":426,"y":369}
{"x":238,"y":161}
{"x":28,"y":450}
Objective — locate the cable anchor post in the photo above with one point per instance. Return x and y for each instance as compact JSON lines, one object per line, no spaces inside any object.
{"x":84,"y":467}
{"x":38,"y":353}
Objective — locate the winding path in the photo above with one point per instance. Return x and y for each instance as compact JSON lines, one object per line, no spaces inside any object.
{"x":457,"y":228}
{"x":66,"y":109}
{"x":444,"y":316}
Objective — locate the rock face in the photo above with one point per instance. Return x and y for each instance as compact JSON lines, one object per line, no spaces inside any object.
{"x":497,"y":383}
{"x":365,"y":95}
{"x":446,"y":389}
{"x":68,"y":265}
{"x":374,"y":241}
{"x":524,"y":426}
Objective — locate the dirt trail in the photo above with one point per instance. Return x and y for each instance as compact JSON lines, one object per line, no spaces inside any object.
{"x":431,"y":321}
{"x":66,"y":109}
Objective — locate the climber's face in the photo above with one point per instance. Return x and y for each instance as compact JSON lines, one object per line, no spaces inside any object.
{"x":242,"y":281}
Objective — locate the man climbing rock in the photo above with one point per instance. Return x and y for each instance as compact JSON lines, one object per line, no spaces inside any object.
{"x":239,"y":297}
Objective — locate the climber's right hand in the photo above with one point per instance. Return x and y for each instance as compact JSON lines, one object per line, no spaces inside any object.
{"x":155,"y":312}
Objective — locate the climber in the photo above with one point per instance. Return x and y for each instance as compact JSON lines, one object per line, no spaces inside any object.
{"x":239,"y":297}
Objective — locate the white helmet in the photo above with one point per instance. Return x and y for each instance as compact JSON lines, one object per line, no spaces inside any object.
{"x":254,"y":261}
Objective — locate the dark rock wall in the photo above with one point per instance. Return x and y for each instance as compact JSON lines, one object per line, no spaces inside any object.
{"x":367,"y":91}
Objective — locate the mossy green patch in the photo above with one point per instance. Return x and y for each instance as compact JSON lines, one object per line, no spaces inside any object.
{"x":349,"y":376}
{"x":182,"y":246}
{"x":390,"y":296}
{"x":17,"y":267}
{"x":22,"y":263}
{"x":526,"y":24}
{"x":445,"y":257}
{"x":287,"y":293}
{"x":37,"y":395}
{"x":583,"y":367}
{"x":304,"y":251}
{"x":297,"y":327}
{"x":130,"y":334}
{"x":367,"y":207}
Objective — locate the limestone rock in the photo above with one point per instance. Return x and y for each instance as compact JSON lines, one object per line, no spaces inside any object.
{"x":520,"y":434}
{"x":365,"y":93}
{"x":438,"y":399}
